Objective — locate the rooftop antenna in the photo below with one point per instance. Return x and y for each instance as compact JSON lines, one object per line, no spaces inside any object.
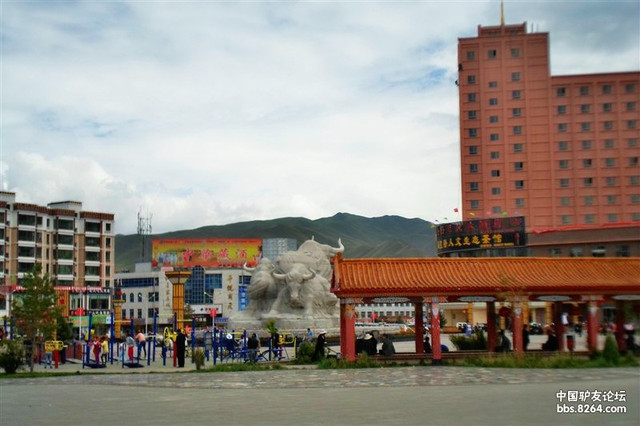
{"x":144,"y":230}
{"x":502,"y":13}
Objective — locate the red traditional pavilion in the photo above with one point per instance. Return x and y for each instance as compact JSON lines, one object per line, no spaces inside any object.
{"x":431,"y":281}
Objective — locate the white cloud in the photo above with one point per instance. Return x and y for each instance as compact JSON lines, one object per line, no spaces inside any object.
{"x":212,"y":113}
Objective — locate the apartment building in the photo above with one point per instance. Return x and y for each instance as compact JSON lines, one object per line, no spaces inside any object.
{"x":560,"y":152}
{"x":75,"y":247}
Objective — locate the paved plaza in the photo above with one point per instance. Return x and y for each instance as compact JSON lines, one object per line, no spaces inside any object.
{"x":305,"y":395}
{"x":399,"y":396}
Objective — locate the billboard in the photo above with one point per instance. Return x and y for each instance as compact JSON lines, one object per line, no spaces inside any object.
{"x":208,"y":253}
{"x":481,"y":234}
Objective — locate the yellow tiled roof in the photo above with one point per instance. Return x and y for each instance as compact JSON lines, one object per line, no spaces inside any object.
{"x":485,"y":276}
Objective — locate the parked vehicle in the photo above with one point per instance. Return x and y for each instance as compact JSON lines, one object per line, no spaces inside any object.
{"x":536,"y":328}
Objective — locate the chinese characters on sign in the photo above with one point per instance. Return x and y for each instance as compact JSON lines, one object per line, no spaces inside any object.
{"x":480,"y":234}
{"x":211,"y":252}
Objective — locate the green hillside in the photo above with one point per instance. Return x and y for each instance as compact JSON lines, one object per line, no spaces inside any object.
{"x":386,"y":236}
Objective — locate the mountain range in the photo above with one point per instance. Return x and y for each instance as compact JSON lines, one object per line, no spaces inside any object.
{"x":386,"y":236}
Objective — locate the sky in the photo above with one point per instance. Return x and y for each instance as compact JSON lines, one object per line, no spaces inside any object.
{"x":197,"y":113}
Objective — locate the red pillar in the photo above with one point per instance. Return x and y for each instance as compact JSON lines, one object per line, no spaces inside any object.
{"x":620,"y":340}
{"x":559,"y":328}
{"x":347,"y":331}
{"x":435,"y":332}
{"x":516,"y":328}
{"x":592,"y":326}
{"x":419,"y":327}
{"x":492,"y":336}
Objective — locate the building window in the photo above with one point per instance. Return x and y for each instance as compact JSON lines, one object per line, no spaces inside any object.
{"x":473,"y":133}
{"x":607,"y":107}
{"x":561,"y":109}
{"x":634,"y":180}
{"x":130,"y":313}
{"x":585,"y":127}
{"x":585,"y":108}
{"x":473,"y":168}
{"x":493,"y":84}
{"x":516,"y":112}
{"x":517,"y":130}
{"x":599,"y":251}
{"x":561,"y":92}
{"x":493,"y":101}
{"x":563,"y":146}
{"x":139,"y":313}
{"x":519,"y":184}
{"x":495,"y":155}
{"x":632,"y":143}
{"x":562,"y":127}
{"x":131,"y":298}
{"x":475,"y":204}
{"x":493,"y":119}
{"x":586,"y":145}
{"x":631,"y":106}
{"x":473,"y":186}
{"x":473,"y":150}
{"x":518,"y":166}
{"x":606,"y":89}
{"x":555,"y":252}
{"x":629,"y":88}
{"x":519,"y":202}
{"x":471,"y":97}
{"x":586,"y":163}
{"x":495,"y":173}
{"x":516,"y":94}
{"x":563,"y":164}
{"x":589,"y":218}
{"x":609,"y":143}
{"x":495,"y":191}
{"x":564,"y":183}
{"x":634,"y":198}
{"x":492,"y":54}
{"x":517,"y":147}
{"x":608,"y":125}
{"x":623,"y":251}
{"x":494,"y":137}
{"x":472,"y":115}
{"x":612,"y":217}
{"x":611,"y":199}
{"x":588,"y":200}
{"x":588,"y":181}
{"x":515,"y":52}
{"x":565,"y":201}
{"x":635,"y":217}
{"x":609,"y":162}
{"x":575,"y":252}
{"x":633,"y":161}
{"x":515,"y":76}
{"x":584,"y":90}
{"x":140,"y":297}
{"x":565,"y":219}
{"x":471,"y":55}
{"x":496,"y":209}
{"x":471,"y":79}
{"x":631,"y":124}
{"x":610,"y":180}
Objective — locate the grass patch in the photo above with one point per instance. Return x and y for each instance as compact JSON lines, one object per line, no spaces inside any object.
{"x":540,"y":361}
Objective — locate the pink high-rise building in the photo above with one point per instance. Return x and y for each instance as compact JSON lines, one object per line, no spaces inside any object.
{"x":560,"y":151}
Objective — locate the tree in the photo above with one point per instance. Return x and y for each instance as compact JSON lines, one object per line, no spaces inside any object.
{"x":34,"y":310}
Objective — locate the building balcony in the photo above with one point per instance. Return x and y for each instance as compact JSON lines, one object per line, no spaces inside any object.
{"x":64,"y":262}
{"x":25,"y":243}
{"x":92,"y":234}
{"x":65,"y":277}
{"x":95,"y":263}
{"x":26,"y":259}
{"x":26,"y":227}
{"x":65,"y":232}
{"x":64,"y":246}
{"x":92,"y":278}
{"x":93,"y":249}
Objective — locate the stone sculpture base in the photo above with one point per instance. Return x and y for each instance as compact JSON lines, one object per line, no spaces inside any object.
{"x":290,"y":323}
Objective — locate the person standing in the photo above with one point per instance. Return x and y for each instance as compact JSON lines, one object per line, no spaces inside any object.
{"x":104,"y":355}
{"x":525,"y":337}
{"x":309,"y":335}
{"x":318,"y":354}
{"x":253,"y":345}
{"x":181,"y":344}
{"x":142,"y":343}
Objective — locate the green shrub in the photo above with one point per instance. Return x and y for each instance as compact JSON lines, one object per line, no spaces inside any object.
{"x":304,"y":353}
{"x":475,"y":342}
{"x":12,"y":355}
{"x":610,"y":352}
{"x":198,"y":358}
